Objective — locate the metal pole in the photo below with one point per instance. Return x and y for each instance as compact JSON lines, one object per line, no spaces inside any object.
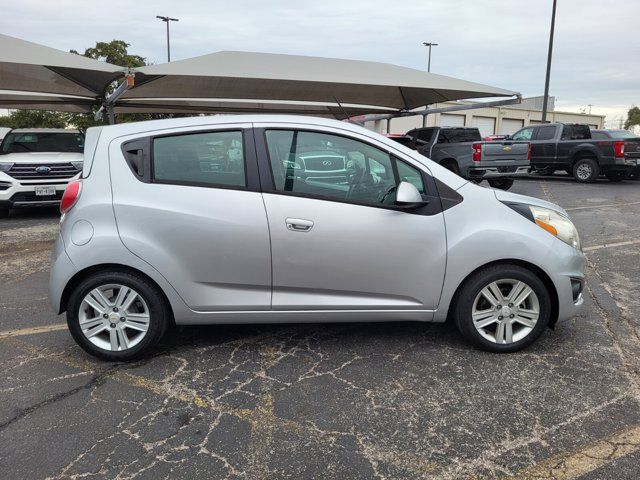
{"x":167,"y":20}
{"x":549,"y":53}
{"x":429,"y":45}
{"x":168,"y":45}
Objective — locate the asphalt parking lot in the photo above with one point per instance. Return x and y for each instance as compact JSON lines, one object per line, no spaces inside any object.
{"x":341,"y":401}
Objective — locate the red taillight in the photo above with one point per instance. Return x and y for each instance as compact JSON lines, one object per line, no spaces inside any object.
{"x":529,"y":153}
{"x":477,"y":152}
{"x":70,"y":196}
{"x":618,"y":148}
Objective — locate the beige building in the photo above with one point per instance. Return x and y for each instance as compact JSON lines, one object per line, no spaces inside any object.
{"x":490,"y":120}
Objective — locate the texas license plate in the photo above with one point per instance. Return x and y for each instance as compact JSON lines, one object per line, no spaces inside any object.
{"x":45,"y":191}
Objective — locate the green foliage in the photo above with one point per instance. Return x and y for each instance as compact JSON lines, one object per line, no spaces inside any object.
{"x":633,"y":118}
{"x":33,"y":119}
{"x":114,"y":52}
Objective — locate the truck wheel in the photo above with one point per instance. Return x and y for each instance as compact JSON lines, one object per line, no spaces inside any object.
{"x":501,"y":183}
{"x":586,"y":170}
{"x":635,"y":174}
{"x":546,"y":171}
{"x":452,"y":166}
{"x":616,"y":175}
{"x":4,"y":212}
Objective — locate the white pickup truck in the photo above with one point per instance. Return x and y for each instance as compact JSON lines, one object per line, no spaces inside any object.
{"x":36,"y":165}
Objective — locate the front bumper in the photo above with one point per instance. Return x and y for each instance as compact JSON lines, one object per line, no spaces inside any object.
{"x":15,"y":193}
{"x":569,"y":281}
{"x":481,"y":173}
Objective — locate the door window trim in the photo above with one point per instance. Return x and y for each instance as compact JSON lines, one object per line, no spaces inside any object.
{"x":268,"y":182}
{"x":249,"y":158}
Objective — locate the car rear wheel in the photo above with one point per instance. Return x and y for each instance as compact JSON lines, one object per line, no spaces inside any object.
{"x":586,"y":170}
{"x":117,"y":316}
{"x":501,"y":183}
{"x":502,"y":308}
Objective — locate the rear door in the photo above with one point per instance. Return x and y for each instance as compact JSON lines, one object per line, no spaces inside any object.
{"x":188,"y":202}
{"x":345,"y":245}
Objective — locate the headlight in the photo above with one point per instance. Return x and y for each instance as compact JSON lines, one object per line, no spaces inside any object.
{"x":77,"y":165}
{"x":556,"y":224}
{"x":5,"y":167}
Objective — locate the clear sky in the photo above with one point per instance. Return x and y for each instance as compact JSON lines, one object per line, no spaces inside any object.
{"x":501,"y":43}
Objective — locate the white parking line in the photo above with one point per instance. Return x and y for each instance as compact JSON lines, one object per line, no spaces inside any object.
{"x":33,"y":330}
{"x":587,"y":207}
{"x":607,"y":245}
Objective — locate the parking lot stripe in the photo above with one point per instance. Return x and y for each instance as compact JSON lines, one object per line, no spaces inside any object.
{"x":33,"y":330}
{"x":606,"y":205}
{"x":586,"y":459}
{"x":608,"y":245}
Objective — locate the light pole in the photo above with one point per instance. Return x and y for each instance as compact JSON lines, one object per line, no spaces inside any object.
{"x":429,"y":45}
{"x":167,"y":20}
{"x":590,"y":105}
{"x":546,"y":82}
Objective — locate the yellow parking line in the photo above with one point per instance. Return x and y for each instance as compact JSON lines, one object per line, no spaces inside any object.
{"x":584,"y":460}
{"x":607,"y":245}
{"x":33,"y":330}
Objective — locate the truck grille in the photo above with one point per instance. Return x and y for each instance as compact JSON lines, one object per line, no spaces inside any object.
{"x":39,"y":171}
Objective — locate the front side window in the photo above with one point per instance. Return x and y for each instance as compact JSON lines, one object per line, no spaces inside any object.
{"x":324,"y":165}
{"x":524,"y":134}
{"x":211,"y":158}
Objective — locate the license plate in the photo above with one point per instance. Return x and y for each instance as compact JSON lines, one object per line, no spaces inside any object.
{"x":45,"y":191}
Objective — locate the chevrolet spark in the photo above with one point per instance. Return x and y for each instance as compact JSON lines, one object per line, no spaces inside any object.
{"x":271,"y":219}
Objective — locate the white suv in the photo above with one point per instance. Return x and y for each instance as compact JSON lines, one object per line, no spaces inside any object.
{"x":36,"y":165}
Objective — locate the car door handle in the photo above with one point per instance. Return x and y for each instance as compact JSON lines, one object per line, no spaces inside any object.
{"x":298,"y":224}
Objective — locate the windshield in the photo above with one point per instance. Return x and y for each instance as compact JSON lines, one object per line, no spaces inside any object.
{"x":622,"y":134}
{"x":42,"y":142}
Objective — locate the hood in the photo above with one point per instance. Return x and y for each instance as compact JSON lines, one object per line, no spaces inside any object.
{"x":504,"y":196}
{"x":41,"y":157}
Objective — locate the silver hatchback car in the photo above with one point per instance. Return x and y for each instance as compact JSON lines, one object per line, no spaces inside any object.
{"x":269,"y":219}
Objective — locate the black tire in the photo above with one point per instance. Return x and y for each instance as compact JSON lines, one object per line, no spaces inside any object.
{"x":501,"y":183}
{"x":586,"y":170}
{"x":452,"y":166}
{"x":635,"y":174}
{"x":463,"y":305}
{"x":616,"y":176}
{"x":159,"y":313}
{"x":4,"y":212}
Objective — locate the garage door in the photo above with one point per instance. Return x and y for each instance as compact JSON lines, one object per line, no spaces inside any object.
{"x":486,"y":125}
{"x":451,"y":120}
{"x":511,"y":125}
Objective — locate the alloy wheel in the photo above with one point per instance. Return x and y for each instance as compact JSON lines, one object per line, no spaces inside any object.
{"x":505,"y":311}
{"x":584,"y":171}
{"x":114,"y":317}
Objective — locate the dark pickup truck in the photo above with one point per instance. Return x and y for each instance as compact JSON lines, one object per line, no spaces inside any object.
{"x":570,"y":147}
{"x":462,"y":151}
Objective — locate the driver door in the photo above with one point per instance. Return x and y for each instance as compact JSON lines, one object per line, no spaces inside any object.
{"x":338,"y":240}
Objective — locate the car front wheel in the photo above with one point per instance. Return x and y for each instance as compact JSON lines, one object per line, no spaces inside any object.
{"x":117,"y":316}
{"x":502,"y":308}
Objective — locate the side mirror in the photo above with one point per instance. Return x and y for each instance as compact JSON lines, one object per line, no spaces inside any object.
{"x":408,"y":196}
{"x":507,"y":137}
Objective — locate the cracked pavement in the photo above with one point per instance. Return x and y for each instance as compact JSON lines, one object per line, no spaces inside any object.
{"x":397,"y":400}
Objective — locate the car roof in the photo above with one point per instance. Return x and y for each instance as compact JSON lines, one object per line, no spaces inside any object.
{"x":44,"y":130}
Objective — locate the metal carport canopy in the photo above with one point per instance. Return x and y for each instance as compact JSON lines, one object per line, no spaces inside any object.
{"x":33,"y":76}
{"x":265,"y":77}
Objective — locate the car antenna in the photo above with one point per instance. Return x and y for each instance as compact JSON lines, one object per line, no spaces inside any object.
{"x":347,"y":117}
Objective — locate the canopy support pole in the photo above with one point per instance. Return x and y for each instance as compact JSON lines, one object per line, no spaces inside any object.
{"x":110,"y":101}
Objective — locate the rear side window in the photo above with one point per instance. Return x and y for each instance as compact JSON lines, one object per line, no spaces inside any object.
{"x":576,"y":132}
{"x":599,"y":135}
{"x":524,"y":134}
{"x":546,"y":133}
{"x":209,"y":159}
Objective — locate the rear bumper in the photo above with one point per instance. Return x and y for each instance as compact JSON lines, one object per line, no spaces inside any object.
{"x":498,"y":172}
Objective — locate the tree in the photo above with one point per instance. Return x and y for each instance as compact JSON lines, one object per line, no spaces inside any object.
{"x":633,"y":118}
{"x":33,"y":119}
{"x":114,"y":52}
